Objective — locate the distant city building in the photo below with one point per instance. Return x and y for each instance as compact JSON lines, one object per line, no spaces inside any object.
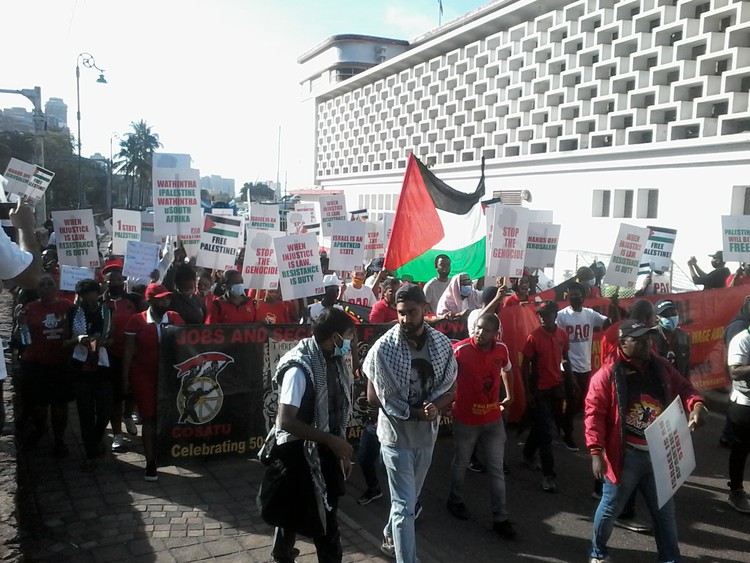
{"x":17,"y":119}
{"x":216,"y":185}
{"x":275,"y":186}
{"x":56,"y":113}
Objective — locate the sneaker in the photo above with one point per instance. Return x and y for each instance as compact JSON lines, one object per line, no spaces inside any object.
{"x":532,"y":463}
{"x":570,"y":444}
{"x":151,"y":475}
{"x":477,"y":466}
{"x":118,"y":442}
{"x":417,"y":510}
{"x":387,"y":547}
{"x":369,"y":496}
{"x":130,"y":425}
{"x":548,"y":484}
{"x":505,"y":530}
{"x":458,"y":509}
{"x":739,"y":501}
{"x":632,"y":525}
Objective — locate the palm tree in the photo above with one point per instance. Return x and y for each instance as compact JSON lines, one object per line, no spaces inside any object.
{"x":136,"y":154}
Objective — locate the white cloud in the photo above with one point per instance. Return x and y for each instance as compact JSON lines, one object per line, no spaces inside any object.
{"x":408,"y":22}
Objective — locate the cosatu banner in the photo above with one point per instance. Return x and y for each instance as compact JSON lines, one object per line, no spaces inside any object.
{"x":220,"y":240}
{"x":263,"y":217}
{"x":126,"y":225}
{"x":177,"y":207}
{"x":332,"y":208}
{"x":76,"y":238}
{"x":300,"y":274}
{"x":541,"y":245}
{"x":735,"y":231}
{"x":507,"y":254}
{"x":626,"y":256}
{"x":260,"y":269}
{"x":374,"y":247}
{"x":347,"y":246}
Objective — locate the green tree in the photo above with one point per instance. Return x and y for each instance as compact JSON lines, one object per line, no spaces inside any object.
{"x":15,"y":145}
{"x":258,"y":192}
{"x":136,"y":155}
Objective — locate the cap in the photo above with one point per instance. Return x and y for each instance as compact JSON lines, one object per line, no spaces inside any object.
{"x":664,"y":305}
{"x":410,"y":292}
{"x":331,"y":280}
{"x":156,"y":290}
{"x":634,"y":328}
{"x":548,"y":307}
{"x":114,"y":264}
{"x":377,"y":264}
{"x":718,"y":255}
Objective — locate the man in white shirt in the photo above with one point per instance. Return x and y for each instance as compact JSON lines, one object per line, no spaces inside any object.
{"x":331,"y":286}
{"x":434,"y":289}
{"x":579,"y":322}
{"x":357,"y":292}
{"x":21,"y":264}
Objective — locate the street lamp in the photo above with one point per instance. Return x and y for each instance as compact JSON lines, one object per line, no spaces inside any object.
{"x":87,"y":60}
{"x":110,"y":195}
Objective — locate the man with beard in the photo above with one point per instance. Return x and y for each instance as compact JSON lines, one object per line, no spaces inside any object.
{"x":411,"y":371}
{"x":434,"y":289}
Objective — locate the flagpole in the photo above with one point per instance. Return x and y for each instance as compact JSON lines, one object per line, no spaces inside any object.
{"x":440,"y":13}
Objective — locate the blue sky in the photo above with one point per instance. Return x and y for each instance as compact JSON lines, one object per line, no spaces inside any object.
{"x":214,"y":78}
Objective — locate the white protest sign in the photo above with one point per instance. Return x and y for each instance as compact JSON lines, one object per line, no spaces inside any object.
{"x":38,"y":183}
{"x":659,"y":248}
{"x":260,"y":269}
{"x":295,"y":223}
{"x":147,"y":227}
{"x":141,"y":258}
{"x":626,"y":256}
{"x":670,"y":447}
{"x":735,"y":235}
{"x":541,"y":245}
{"x":219,"y":242}
{"x":76,"y":237}
{"x":223,"y":211}
{"x":332,"y":208}
{"x":71,"y":275}
{"x":508,"y":247}
{"x":388,"y":219}
{"x":374,"y":247}
{"x":18,"y":174}
{"x":489,"y":219}
{"x":177,"y":207}
{"x":263,"y":217}
{"x":308,"y":212}
{"x":126,"y":225}
{"x":298,"y":257}
{"x":347,"y":246}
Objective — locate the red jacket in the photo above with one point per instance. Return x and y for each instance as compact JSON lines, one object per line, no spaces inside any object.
{"x":606,"y":397}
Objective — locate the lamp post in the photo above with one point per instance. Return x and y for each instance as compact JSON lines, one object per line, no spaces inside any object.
{"x":87,"y":60}
{"x":110,"y":196}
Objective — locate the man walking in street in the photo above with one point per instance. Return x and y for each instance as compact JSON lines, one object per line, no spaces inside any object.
{"x":411,"y":371}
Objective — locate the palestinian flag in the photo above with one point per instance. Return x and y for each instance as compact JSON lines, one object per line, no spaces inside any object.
{"x":657,"y":256}
{"x":431,"y":219}
{"x":222,"y":226}
{"x":359,"y":215}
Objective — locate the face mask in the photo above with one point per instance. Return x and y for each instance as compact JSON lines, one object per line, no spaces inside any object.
{"x":591,"y":282}
{"x":237,"y":289}
{"x":344,"y":349}
{"x":670,"y":323}
{"x":465,"y":290}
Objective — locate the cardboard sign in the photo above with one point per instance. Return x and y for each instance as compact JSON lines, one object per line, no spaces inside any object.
{"x":735,"y":234}
{"x":263,"y":217}
{"x":347,"y":246}
{"x":298,"y":258}
{"x":374,"y":247}
{"x":670,"y":447}
{"x":177,"y":207}
{"x":76,"y":238}
{"x":659,"y":249}
{"x":626,"y":256}
{"x":541,"y":245}
{"x":332,"y":208}
{"x":260,"y":269}
{"x":219,"y":242}
{"x":508,"y":245}
{"x":71,"y":275}
{"x":308,"y":212}
{"x":126,"y":225}
{"x":141,"y":258}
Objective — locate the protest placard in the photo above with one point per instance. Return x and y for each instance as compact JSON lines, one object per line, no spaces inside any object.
{"x":541,"y":245}
{"x":18,"y":174}
{"x":126,"y":225}
{"x":177,"y":208}
{"x":219,"y":242}
{"x":308,"y":212}
{"x":295,"y":223}
{"x":657,"y":256}
{"x":141,"y":258}
{"x":508,"y":247}
{"x":298,"y":258}
{"x":223,"y":211}
{"x":263,"y":217}
{"x":76,"y":238}
{"x":347,"y":245}
{"x":626,"y":256}
{"x":71,"y":275}
{"x":374,"y":240}
{"x":260,"y":269}
{"x":735,"y":234}
{"x":147,"y":227}
{"x":670,"y":447}
{"x":388,"y":219}
{"x":332,"y":208}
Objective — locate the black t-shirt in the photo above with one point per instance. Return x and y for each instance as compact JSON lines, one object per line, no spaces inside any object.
{"x":645,"y":402}
{"x":713,"y":280}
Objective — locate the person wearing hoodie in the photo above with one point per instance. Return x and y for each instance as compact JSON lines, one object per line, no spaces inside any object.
{"x":459,"y":298}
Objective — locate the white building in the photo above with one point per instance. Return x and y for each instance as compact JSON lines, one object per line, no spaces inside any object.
{"x":606,"y":111}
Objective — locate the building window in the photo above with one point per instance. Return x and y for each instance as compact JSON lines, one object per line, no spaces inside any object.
{"x":601,"y":203}
{"x":648,"y":204}
{"x":623,"y":204}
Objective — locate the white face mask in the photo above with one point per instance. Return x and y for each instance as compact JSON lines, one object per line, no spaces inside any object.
{"x":237,"y":289}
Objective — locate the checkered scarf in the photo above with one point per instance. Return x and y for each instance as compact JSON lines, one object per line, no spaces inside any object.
{"x":388,"y":366}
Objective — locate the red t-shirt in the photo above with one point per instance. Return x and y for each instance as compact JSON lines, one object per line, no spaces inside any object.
{"x":511,"y":301}
{"x":546,"y":348}
{"x":120,"y":310}
{"x":744,"y":280}
{"x":46,"y":324}
{"x":280,"y":309}
{"x":382,"y":313}
{"x":477,"y":397}
{"x":222,"y":312}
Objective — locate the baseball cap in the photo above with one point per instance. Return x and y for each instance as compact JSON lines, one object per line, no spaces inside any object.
{"x":548,"y":307}
{"x":114,"y":264}
{"x":410,"y":292}
{"x":634,"y":328}
{"x":664,"y":305}
{"x":156,"y":290}
{"x":718,"y":255}
{"x":331,"y":279}
{"x":377,"y":264}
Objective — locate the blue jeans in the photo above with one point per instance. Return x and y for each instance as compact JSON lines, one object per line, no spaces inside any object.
{"x":368,"y":455}
{"x":636,"y":474}
{"x":492,"y":438}
{"x":406,"y":469}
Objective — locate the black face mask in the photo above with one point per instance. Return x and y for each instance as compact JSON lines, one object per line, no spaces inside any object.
{"x":159,"y":312}
{"x":116,"y":290}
